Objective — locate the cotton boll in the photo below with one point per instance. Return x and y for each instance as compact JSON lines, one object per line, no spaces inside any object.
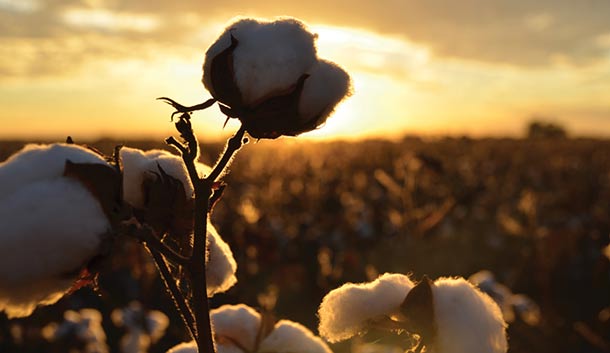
{"x":50,"y":230}
{"x":270,"y":56}
{"x":82,"y":328}
{"x":220,"y":266}
{"x":292,"y":337}
{"x":468,"y":320}
{"x":500,"y":293}
{"x":326,"y":86}
{"x":527,"y":309}
{"x":235,"y":323}
{"x":345,"y":311}
{"x":186,"y":347}
{"x":191,"y":347}
{"x":41,"y":162}
{"x":144,"y":327}
{"x":137,"y":164}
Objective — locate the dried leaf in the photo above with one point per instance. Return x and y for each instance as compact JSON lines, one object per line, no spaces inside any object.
{"x":418,"y":308}
{"x":268,"y":321}
{"x":166,"y":207}
{"x":102,"y":181}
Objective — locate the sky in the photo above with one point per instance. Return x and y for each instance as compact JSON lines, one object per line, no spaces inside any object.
{"x":93,"y":68}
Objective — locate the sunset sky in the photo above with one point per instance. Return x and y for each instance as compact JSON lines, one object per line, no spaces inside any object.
{"x":92,"y":68}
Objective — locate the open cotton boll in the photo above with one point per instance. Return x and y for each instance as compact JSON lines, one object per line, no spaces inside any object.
{"x":291,"y":337}
{"x":186,"y":347}
{"x":345,"y":310}
{"x":82,"y":330}
{"x":40,"y":162}
{"x":325,"y":87}
{"x":235,"y":323}
{"x":50,"y":230}
{"x":191,"y":347}
{"x":270,"y":56}
{"x":220,"y":265}
{"x":144,"y":327}
{"x":468,"y":320}
{"x":137,"y":164}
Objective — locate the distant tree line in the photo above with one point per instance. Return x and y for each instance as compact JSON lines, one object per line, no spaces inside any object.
{"x":544,"y":129}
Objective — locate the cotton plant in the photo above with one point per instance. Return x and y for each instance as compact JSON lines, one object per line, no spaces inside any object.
{"x":82,"y":330}
{"x":56,"y":222}
{"x":513,"y":306}
{"x":65,"y":207}
{"x":448,"y":315}
{"x":241,"y":329}
{"x":144,"y":327}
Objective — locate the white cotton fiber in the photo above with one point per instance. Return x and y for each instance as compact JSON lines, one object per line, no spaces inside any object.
{"x":143,"y":327}
{"x":82,"y":328}
{"x":220,"y":265}
{"x":186,"y":347}
{"x":269,"y":58}
{"x":468,"y":321}
{"x":326,"y":86}
{"x":345,"y":310}
{"x":50,"y":229}
{"x":137,"y":164}
{"x":235,"y":323}
{"x":41,"y":162}
{"x":291,"y":337}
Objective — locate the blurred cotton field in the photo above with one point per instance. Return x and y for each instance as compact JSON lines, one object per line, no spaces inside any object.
{"x":302,"y":219}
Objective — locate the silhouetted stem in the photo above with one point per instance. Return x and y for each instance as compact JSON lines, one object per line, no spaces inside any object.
{"x":155,"y":243}
{"x":177,"y":296}
{"x":204,"y":189}
{"x":232,"y":146}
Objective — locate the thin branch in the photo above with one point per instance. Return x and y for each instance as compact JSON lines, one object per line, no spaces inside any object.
{"x":177,"y":296}
{"x":175,"y":143}
{"x":155,"y":243}
{"x":232,"y":146}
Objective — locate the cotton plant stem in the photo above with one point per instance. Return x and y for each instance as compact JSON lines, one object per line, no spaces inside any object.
{"x":177,"y":296}
{"x":203,"y":192}
{"x":204,"y":189}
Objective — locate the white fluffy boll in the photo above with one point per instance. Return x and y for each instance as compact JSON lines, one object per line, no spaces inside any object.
{"x":292,"y":337}
{"x":326,"y":86}
{"x":51,"y":226}
{"x":468,"y":320}
{"x":137,"y":164}
{"x":236,"y":328}
{"x":41,"y":162}
{"x":344,"y":312}
{"x":220,"y":264}
{"x":270,"y":57}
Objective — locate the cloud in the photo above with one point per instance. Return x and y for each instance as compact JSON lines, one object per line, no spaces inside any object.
{"x":520,"y":32}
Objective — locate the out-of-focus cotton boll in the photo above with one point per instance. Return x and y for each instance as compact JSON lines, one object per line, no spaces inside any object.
{"x":186,"y":347}
{"x":501,"y":294}
{"x":138,"y":164}
{"x":41,"y":162}
{"x":325,"y":87}
{"x":292,"y":337}
{"x":235,"y":324}
{"x":82,"y":328}
{"x":344,"y":312}
{"x":527,"y":309}
{"x":468,"y":321}
{"x":236,"y":328}
{"x":144,"y":327}
{"x":50,"y":230}
{"x":270,"y":57}
{"x":220,"y":265}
